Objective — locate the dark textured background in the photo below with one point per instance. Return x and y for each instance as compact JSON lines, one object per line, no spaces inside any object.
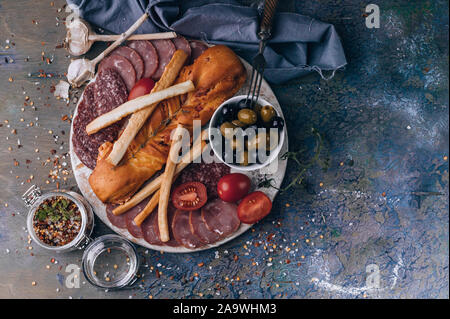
{"x":383,"y":200}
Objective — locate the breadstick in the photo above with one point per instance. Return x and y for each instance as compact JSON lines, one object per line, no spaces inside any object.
{"x":138,"y":119}
{"x":148,"y":209}
{"x":138,"y":104}
{"x":153,"y":186}
{"x":167,"y":183}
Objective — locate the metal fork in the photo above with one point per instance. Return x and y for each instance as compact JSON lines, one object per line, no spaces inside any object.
{"x":259,"y":63}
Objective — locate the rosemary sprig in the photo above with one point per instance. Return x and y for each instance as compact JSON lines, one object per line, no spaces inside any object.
{"x":160,"y":127}
{"x":304,"y":167}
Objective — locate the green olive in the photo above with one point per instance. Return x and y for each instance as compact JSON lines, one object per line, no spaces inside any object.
{"x":247,"y":116}
{"x":256,"y":142}
{"x":270,"y":147}
{"x":237,"y":123}
{"x":245,"y":161}
{"x":224,"y":126}
{"x":267,"y":112}
{"x":237,"y":144}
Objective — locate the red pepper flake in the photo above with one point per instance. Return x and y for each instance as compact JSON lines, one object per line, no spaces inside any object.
{"x":288,"y":261}
{"x":157,"y":273}
{"x":383,"y":194}
{"x":64,"y":118}
{"x":235,"y":257}
{"x":269,"y":238}
{"x":201,"y":264}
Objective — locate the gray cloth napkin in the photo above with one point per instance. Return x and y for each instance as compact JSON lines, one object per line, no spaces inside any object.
{"x":299,"y":44}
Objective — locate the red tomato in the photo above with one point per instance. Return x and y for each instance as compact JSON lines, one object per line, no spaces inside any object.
{"x":233,"y":187}
{"x":254,"y":207}
{"x":142,"y":87}
{"x":189,"y":196}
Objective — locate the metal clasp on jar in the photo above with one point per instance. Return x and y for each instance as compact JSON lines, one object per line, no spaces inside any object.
{"x":31,"y":195}
{"x":84,"y":242}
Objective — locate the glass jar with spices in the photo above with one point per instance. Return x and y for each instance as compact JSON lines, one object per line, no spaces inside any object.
{"x":63,"y":221}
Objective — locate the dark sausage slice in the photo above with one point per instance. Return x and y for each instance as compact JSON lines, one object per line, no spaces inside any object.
{"x":198,"y":227}
{"x":132,"y":56}
{"x":122,"y":66}
{"x":182,"y":44}
{"x":148,"y":54}
{"x":95,"y":102}
{"x":134,"y":229}
{"x":182,"y":231}
{"x":165,"y":50}
{"x":116,"y":220}
{"x":148,"y":229}
{"x":197,"y":48}
{"x":195,"y":172}
{"x":221,"y":217}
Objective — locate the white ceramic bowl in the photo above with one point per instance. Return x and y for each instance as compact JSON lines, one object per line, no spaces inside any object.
{"x":251,"y":167}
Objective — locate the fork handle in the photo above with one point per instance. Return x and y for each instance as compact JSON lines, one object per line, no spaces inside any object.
{"x":267,"y":19}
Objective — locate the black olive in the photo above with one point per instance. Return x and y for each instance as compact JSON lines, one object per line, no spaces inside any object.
{"x":243,"y":104}
{"x":228,"y":112}
{"x":277,"y":122}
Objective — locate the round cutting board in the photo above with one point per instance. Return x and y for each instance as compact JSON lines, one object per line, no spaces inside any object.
{"x":82,"y":173}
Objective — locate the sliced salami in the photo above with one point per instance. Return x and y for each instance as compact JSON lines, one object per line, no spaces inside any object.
{"x":122,"y":66}
{"x":134,"y":229}
{"x":221,"y":217}
{"x":198,"y":227}
{"x":197,"y":48}
{"x":182,"y":44}
{"x":97,"y":100}
{"x":182,"y":231}
{"x":148,"y":54}
{"x":148,"y":229}
{"x":165,"y":49}
{"x":208,"y":174}
{"x":132,"y":56}
{"x":116,"y":220}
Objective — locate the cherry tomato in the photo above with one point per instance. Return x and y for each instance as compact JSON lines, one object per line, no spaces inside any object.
{"x":233,"y":187}
{"x":254,"y":207}
{"x":142,"y":87}
{"x":189,"y":196}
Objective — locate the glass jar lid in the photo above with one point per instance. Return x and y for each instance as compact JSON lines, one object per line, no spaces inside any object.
{"x":110,"y":262}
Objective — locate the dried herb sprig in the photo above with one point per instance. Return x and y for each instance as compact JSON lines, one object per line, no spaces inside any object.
{"x":304,"y":167}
